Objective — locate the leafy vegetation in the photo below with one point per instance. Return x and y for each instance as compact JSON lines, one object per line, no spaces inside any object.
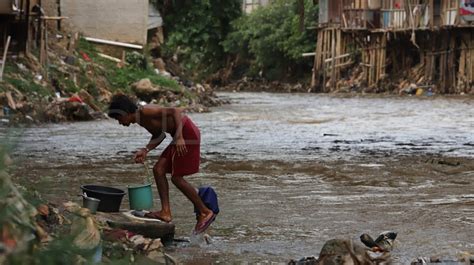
{"x":195,"y":30}
{"x":270,"y":40}
{"x":206,"y":35}
{"x":23,"y":81}
{"x":120,"y":78}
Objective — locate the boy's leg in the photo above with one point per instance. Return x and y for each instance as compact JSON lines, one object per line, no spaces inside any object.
{"x":159,"y":171}
{"x":191,"y":193}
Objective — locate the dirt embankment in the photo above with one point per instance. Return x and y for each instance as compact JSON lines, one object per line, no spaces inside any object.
{"x":78,"y":80}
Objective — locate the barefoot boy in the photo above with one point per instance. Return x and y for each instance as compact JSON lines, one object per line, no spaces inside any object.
{"x":180,"y":158}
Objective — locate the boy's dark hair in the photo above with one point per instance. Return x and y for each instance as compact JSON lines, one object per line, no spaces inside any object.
{"x":121,"y":105}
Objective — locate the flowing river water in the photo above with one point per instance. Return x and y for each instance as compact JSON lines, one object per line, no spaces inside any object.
{"x":291,"y":171}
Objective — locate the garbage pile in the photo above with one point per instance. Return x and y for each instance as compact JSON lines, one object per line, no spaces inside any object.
{"x":68,"y":234}
{"x":79,"y":80}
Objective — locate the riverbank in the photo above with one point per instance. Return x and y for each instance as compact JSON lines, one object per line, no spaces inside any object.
{"x":78,"y":79}
{"x":346,"y":87}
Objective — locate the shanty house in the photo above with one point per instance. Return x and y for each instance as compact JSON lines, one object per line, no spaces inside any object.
{"x":431,"y":40}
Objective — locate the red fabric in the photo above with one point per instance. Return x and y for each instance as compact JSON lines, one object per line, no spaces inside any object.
{"x":465,"y":12}
{"x":86,"y":57}
{"x":189,"y":163}
{"x":75,"y":99}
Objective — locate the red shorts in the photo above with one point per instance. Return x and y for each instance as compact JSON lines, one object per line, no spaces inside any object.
{"x":188,"y":163}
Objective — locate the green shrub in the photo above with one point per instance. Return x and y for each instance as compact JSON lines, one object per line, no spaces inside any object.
{"x":122,"y":78}
{"x":269,"y":39}
{"x":196,"y":30}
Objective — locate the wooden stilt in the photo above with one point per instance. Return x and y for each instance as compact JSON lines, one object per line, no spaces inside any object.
{"x":4,"y":57}
{"x":317,"y":60}
{"x":333,"y":62}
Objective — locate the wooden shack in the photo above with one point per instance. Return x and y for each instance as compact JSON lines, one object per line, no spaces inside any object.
{"x":14,"y":18}
{"x":368,"y":42}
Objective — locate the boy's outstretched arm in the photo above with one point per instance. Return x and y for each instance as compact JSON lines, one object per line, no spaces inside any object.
{"x":155,"y":140}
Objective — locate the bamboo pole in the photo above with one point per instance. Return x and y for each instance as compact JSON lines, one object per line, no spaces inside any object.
{"x":326,"y":44}
{"x":379,"y":58}
{"x":384,"y":53}
{"x":374,"y":62}
{"x":372,"y":66}
{"x":452,"y":66}
{"x":4,"y":57}
{"x":339,"y":52}
{"x":326,"y":55}
{"x":28,"y":28}
{"x":443,"y":63}
{"x":365,"y":61}
{"x":42,"y":53}
{"x":115,"y":43}
{"x":316,"y":67}
{"x":471,"y":57}
{"x":46,"y":74}
{"x":333,"y":54}
{"x":434,"y":47}
{"x":462,"y":62}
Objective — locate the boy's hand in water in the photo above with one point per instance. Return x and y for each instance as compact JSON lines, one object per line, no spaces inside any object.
{"x":140,"y":155}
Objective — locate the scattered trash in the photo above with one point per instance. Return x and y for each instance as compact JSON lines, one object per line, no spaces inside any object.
{"x":75,"y":98}
{"x":6,"y":111}
{"x":85,"y":56}
{"x":163,"y":73}
{"x":22,"y":67}
{"x":383,"y":243}
{"x":70,"y":60}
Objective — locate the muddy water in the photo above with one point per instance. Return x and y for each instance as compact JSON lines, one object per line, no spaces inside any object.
{"x":293,"y":171}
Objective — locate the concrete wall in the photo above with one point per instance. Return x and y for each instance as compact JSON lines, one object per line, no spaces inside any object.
{"x":117,"y":20}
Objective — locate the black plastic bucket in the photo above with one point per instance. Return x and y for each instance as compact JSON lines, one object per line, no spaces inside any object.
{"x":110,"y":198}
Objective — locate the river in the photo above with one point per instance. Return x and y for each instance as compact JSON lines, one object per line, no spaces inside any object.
{"x":292,"y":171}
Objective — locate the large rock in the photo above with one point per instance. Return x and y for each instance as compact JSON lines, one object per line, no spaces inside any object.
{"x":344,"y":252}
{"x":145,"y":90}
